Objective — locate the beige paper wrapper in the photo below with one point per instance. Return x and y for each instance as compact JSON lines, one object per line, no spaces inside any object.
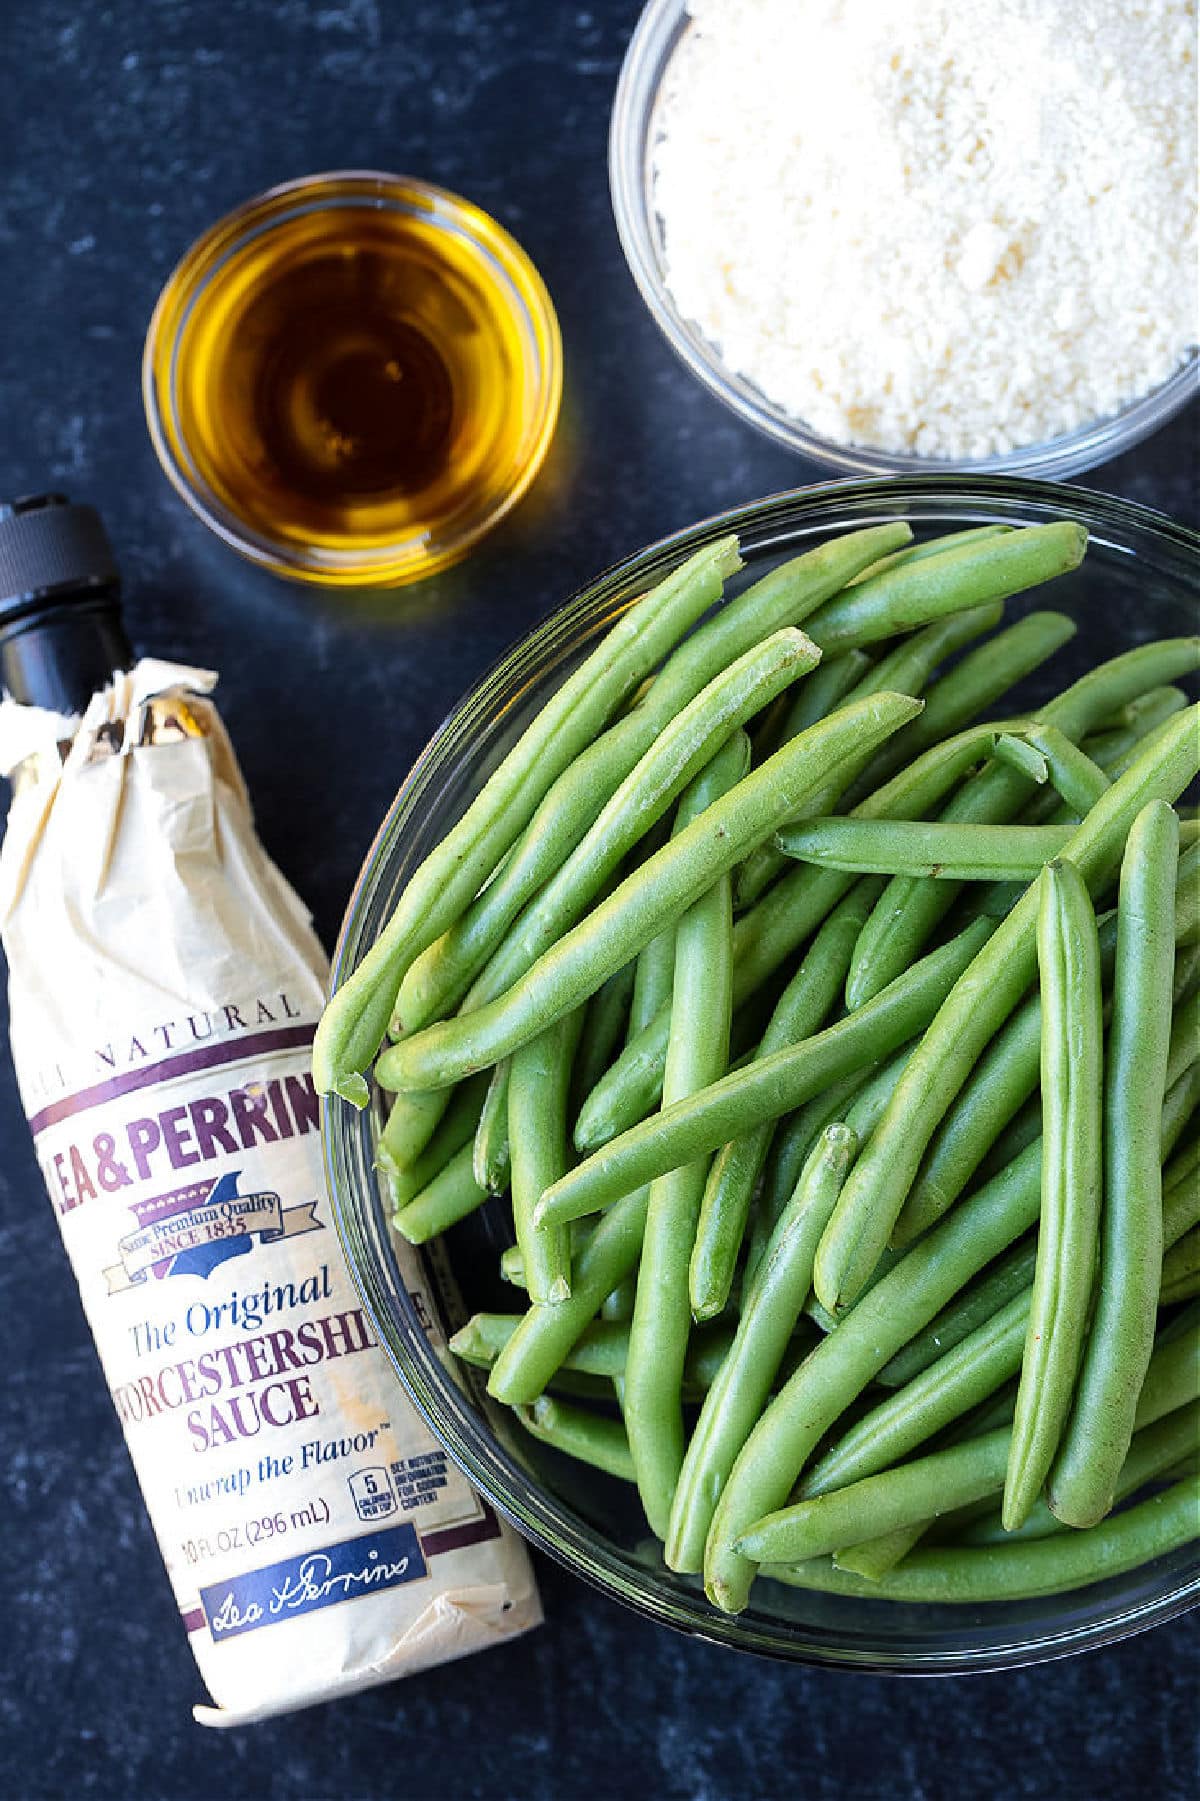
{"x":165,"y":983}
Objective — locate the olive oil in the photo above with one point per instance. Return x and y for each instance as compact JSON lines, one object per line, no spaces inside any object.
{"x":358,"y":385}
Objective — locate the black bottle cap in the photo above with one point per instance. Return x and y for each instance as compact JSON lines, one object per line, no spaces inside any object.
{"x":61,"y":636}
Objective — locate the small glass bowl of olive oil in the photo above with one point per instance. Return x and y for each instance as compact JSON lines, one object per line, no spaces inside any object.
{"x":353,"y":377}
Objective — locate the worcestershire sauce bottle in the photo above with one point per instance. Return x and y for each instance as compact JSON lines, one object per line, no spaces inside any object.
{"x":165,"y":983}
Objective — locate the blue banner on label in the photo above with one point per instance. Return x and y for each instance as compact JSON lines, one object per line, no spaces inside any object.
{"x":280,"y":1591}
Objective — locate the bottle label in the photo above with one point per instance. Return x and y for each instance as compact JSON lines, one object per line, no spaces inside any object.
{"x":284,"y":1469}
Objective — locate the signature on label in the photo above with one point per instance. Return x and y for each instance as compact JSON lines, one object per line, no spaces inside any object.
{"x":318,"y":1579}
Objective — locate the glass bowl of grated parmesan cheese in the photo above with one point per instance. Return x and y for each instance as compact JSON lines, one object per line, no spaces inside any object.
{"x":930,"y":236}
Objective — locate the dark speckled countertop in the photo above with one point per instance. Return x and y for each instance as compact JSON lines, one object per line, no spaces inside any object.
{"x":125,"y":129}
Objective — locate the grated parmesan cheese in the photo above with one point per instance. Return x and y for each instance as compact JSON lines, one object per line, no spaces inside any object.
{"x":944,"y":227}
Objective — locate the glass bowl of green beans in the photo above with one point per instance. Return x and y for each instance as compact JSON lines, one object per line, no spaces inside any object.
{"x":1139,"y":582}
{"x":633,"y":131}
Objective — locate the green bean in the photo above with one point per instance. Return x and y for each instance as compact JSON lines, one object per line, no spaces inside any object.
{"x":930,"y":547}
{"x":1183,"y":1042}
{"x":1180,"y":1103}
{"x":909,"y":910}
{"x":974,"y":685}
{"x":989,"y":990}
{"x":697,"y":1054}
{"x":1180,"y":1170}
{"x":512,"y":1266}
{"x":412,"y":1121}
{"x":1187,"y":897}
{"x":843,"y":1363}
{"x":546,"y":1334}
{"x":619,"y":1304}
{"x":1022,"y":1130}
{"x":577,"y":1385}
{"x":1153,"y":1453}
{"x":682,"y":748}
{"x":1145,"y":711}
{"x":538,"y":1084}
{"x":654,"y":971}
{"x":1181,"y":1270}
{"x":767,"y":1322}
{"x":817,"y":697}
{"x":908,"y":1496}
{"x":646,"y":901}
{"x":972,"y":1351}
{"x":654,"y":965}
{"x":356,"y":1019}
{"x":820,"y":693}
{"x":906,"y":670}
{"x":874,"y":1557}
{"x":1153,"y":734}
{"x":1020,"y":754}
{"x":452,"y":1194}
{"x":1174,"y":1335}
{"x":1072,"y":1089}
{"x":1004,"y":1078}
{"x":1173,"y":1378}
{"x":601,"y":1351}
{"x":1014,"y":1273}
{"x":404,"y":1181}
{"x":999,"y":898}
{"x":442,"y":976}
{"x":1109,"y":746}
{"x":861,"y":1110}
{"x":1184,"y":1045}
{"x":491,"y":1158}
{"x":1001,"y":1082}
{"x":766,"y":732}
{"x":862,"y":1095}
{"x":932,"y":849}
{"x":869,"y":1104}
{"x":829,"y":1321}
{"x":758,"y":1231}
{"x":631,"y":1087}
{"x":1071,"y":771}
{"x":604,"y":1029}
{"x":963,"y":1377}
{"x":764,"y":864}
{"x":766,"y":936}
{"x":439,"y":978}
{"x":1112,"y":752}
{"x":1009,"y":1572}
{"x":862,"y":1117}
{"x":909,"y":667}
{"x":577,"y":1432}
{"x":916,"y":593}
{"x":796,"y":1135}
{"x":798,"y":1013}
{"x":766,"y":1088}
{"x":1097,"y":1434}
{"x":1181,"y":1194}
{"x":1012,"y":1276}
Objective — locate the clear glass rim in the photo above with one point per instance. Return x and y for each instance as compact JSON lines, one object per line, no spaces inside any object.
{"x":631,"y":133}
{"x":513,"y":274}
{"x":537,"y":1513}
